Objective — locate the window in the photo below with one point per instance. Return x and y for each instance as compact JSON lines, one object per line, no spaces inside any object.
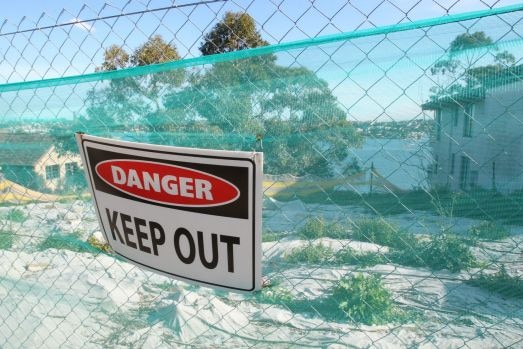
{"x":438,"y":124}
{"x":52,"y":172}
{"x":474,"y":176}
{"x":455,"y":116}
{"x":464,"y":172}
{"x":467,"y":120}
{"x":71,"y":168}
{"x":452,"y":163}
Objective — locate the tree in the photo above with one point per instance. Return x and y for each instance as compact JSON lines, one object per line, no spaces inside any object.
{"x":130,"y":101}
{"x":135,"y":99}
{"x":153,"y":51}
{"x":470,"y":59}
{"x":289,"y":111}
{"x":236,"y":31}
{"x":115,"y":58}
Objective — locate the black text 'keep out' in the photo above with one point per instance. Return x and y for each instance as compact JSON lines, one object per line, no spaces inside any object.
{"x":146,"y":236}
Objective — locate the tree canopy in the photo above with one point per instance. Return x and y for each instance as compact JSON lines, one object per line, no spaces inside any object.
{"x":153,"y":51}
{"x":236,"y":31}
{"x":136,"y":99}
{"x":289,"y":110}
{"x":256,"y":103}
{"x":115,"y":57}
{"x":472,"y":59}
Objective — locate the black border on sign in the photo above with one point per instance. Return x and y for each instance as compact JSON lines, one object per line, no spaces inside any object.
{"x":187,"y":155}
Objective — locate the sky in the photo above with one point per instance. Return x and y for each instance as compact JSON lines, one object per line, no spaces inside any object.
{"x":76,"y":47}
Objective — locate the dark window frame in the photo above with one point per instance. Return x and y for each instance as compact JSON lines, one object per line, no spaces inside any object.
{"x":455,"y":116}
{"x":464,"y":172}
{"x":71,"y":168}
{"x":468,"y":117}
{"x":52,"y":172}
{"x":438,"y":118}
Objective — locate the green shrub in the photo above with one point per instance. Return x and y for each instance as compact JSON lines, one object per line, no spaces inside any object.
{"x":16,"y":215}
{"x":488,"y":230}
{"x":6,"y":239}
{"x":312,"y":253}
{"x":317,"y":227}
{"x":336,"y":231}
{"x":360,"y":298}
{"x":501,"y":283}
{"x":448,"y":252}
{"x":350,"y":256}
{"x":381,"y":232}
{"x":364,"y":299}
{"x":444,"y":251}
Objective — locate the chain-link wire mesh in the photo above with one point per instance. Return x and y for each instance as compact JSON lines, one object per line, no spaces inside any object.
{"x":392,"y":212}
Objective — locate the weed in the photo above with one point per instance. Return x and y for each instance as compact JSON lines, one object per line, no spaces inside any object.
{"x":488,"y":230}
{"x":444,"y":251}
{"x":16,"y":215}
{"x":359,"y":298}
{"x":501,"y":283}
{"x":6,"y":239}
{"x":350,"y":256}
{"x":312,"y":254}
{"x":364,"y":299}
{"x":379,"y":231}
{"x":320,"y":254}
{"x":317,"y":227}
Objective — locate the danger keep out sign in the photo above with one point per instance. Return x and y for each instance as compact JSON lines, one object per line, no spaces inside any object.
{"x":191,"y":214}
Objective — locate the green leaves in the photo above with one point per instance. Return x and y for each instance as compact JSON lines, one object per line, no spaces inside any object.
{"x":236,"y":31}
{"x":318,"y":227}
{"x":364,"y":299}
{"x":470,"y":40}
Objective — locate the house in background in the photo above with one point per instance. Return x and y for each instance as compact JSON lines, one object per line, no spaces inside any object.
{"x":32,"y":160}
{"x":478,"y":136}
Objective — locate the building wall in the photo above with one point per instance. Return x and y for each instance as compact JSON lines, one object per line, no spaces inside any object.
{"x":494,"y":150}
{"x":52,"y":157}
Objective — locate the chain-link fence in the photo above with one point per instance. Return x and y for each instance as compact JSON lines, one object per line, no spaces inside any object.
{"x":392,"y":136}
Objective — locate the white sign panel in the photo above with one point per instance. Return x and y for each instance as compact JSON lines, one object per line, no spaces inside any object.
{"x":191,"y":214}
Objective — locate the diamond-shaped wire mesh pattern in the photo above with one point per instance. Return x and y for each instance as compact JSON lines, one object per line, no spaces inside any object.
{"x":393,"y":174}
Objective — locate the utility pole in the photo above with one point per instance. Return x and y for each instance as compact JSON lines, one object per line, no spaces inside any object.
{"x":371,"y":176}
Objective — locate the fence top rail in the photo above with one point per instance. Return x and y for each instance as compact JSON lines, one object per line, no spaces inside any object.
{"x":254,"y":52}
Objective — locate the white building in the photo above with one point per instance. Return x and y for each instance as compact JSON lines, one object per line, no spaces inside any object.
{"x":478,"y":136}
{"x":32,"y":160}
